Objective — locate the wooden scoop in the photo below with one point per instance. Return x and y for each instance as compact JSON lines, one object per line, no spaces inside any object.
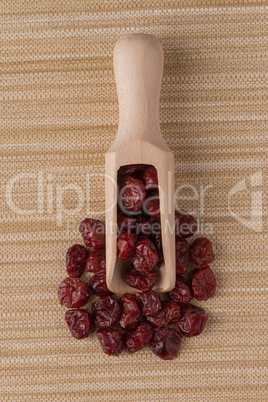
{"x":138,"y":67}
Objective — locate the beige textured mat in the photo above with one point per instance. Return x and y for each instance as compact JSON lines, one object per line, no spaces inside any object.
{"x":58,"y":117}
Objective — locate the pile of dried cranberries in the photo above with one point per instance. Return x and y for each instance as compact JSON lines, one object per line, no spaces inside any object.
{"x":133,"y":322}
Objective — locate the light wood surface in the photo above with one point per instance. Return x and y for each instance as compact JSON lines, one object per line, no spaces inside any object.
{"x":138,"y":67}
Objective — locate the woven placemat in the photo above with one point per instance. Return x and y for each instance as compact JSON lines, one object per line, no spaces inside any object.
{"x":58,"y":116}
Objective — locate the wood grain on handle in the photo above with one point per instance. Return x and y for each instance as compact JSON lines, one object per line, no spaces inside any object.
{"x":138,"y":68}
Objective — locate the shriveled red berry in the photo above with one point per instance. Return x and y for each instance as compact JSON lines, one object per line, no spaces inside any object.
{"x":147,"y":227}
{"x":75,"y":260}
{"x":73,"y":293}
{"x":111,"y":341}
{"x":151,"y":206}
{"x":140,"y":281}
{"x":166,"y":343}
{"x":93,"y":232}
{"x":192,"y":320}
{"x":96,"y":261}
{"x":138,"y":338}
{"x":130,"y":316}
{"x":201,"y":251}
{"x":106,"y":311}
{"x":181,"y":293}
{"x":203,"y":283}
{"x":168,"y":315}
{"x":185,"y":224}
{"x":146,"y":256}
{"x":183,"y":259}
{"x":126,"y":244}
{"x":98,"y":285}
{"x":125,"y":223}
{"x":149,"y":178}
{"x":150,"y":302}
{"x":79,"y":323}
{"x":131,"y":169}
{"x":132,"y":194}
{"x":157,"y":240}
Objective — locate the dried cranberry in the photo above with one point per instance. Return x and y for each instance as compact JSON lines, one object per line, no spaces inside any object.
{"x":192,"y":320}
{"x":166,"y":343}
{"x":96,"y":261}
{"x":79,"y":323}
{"x":146,"y":256}
{"x":125,"y":223}
{"x":98,"y":285}
{"x":151,"y":206}
{"x":169,"y":315}
{"x":93,"y":232}
{"x":140,"y":281}
{"x":149,"y":178}
{"x":201,"y":251}
{"x":106,"y":311}
{"x":147,"y":227}
{"x":157,"y":240}
{"x":203,"y":283}
{"x":126,"y":246}
{"x":75,"y":260}
{"x":150,"y":302}
{"x":130,"y":312}
{"x":181,"y":293}
{"x":110,"y":340}
{"x":185,"y":224}
{"x":183,"y":259}
{"x":138,"y":338}
{"x":73,"y":293}
{"x":131,"y":169}
{"x":132,"y":194}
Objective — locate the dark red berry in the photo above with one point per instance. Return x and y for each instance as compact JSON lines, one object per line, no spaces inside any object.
{"x":130,"y":316}
{"x":96,"y":261}
{"x":183,"y":259}
{"x":148,"y":227}
{"x":150,"y":302}
{"x":110,"y":340}
{"x":203,"y":283}
{"x":140,"y":281}
{"x":192,"y":320}
{"x":201,"y":251}
{"x":169,"y":315}
{"x":73,"y":293}
{"x":79,"y":323}
{"x":138,"y":338}
{"x":166,"y":343}
{"x":125,"y":223}
{"x":131,"y":169}
{"x":149,"y":178}
{"x":93,"y":232}
{"x":185,"y":224}
{"x":146,"y":256}
{"x":151,"y":206}
{"x":181,"y":293}
{"x":75,"y":260}
{"x":106,"y":311}
{"x":157,"y":240}
{"x":126,"y":244}
{"x":132,"y":194}
{"x":98,"y":285}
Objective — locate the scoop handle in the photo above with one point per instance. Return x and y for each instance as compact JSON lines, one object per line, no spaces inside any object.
{"x":138,"y":67}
